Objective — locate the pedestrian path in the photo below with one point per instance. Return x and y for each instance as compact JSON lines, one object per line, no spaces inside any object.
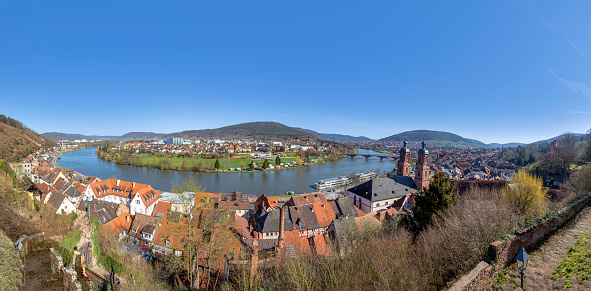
{"x":544,"y":260}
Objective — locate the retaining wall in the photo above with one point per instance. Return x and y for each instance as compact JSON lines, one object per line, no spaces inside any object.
{"x":69,"y":275}
{"x":503,"y":252}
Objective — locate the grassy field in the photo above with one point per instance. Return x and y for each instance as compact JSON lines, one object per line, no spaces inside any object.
{"x":576,"y":263}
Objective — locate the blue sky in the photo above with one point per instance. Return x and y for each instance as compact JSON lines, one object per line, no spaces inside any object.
{"x":496,"y":71}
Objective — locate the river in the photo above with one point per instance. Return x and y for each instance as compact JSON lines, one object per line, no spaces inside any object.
{"x":271,"y":183}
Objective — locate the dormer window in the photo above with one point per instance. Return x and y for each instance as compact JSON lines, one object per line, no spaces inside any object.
{"x":167,"y":243}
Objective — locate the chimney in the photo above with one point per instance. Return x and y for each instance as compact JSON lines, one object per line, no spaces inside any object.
{"x":126,"y":218}
{"x":254,"y":258}
{"x":133,"y":185}
{"x":281,"y":229}
{"x":118,"y":182}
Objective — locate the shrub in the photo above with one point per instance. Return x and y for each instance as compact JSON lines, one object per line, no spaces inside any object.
{"x":527,"y":195}
{"x":455,"y":244}
{"x":66,"y":248}
{"x":580,"y":181}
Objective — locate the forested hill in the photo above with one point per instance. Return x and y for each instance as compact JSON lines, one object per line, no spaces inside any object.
{"x":434,"y":137}
{"x":142,"y":135}
{"x":17,"y":141}
{"x":255,"y":130}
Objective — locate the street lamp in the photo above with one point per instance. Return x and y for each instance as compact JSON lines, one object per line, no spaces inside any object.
{"x":522,"y":259}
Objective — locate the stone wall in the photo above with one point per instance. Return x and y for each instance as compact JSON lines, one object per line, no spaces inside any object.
{"x":30,"y":244}
{"x":69,"y":275}
{"x":503,"y":252}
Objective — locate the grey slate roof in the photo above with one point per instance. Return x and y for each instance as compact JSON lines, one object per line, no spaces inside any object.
{"x":104,"y":211}
{"x":301,"y":217}
{"x":296,"y":217}
{"x":66,"y":187}
{"x":379,"y":189}
{"x":268,"y":222}
{"x":345,"y":207}
{"x":56,"y":200}
{"x":72,"y":192}
{"x":236,"y":195}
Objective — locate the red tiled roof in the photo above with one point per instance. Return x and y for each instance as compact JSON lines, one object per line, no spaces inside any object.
{"x":119,"y":224}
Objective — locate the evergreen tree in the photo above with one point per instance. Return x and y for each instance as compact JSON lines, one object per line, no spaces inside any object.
{"x":430,"y":204}
{"x":277,"y":161}
{"x":265,"y":164}
{"x":217,"y":164}
{"x":251,"y":165}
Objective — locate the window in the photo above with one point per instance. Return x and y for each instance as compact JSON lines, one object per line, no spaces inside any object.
{"x":137,"y":201}
{"x":167,"y":243}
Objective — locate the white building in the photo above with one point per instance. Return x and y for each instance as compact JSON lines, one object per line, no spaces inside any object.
{"x":140,"y":198}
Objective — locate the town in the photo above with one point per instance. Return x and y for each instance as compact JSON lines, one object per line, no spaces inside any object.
{"x":152,"y":225}
{"x":219,"y":155}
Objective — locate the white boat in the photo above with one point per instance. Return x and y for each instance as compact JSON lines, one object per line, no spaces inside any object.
{"x":363,"y":176}
{"x":332,"y":183}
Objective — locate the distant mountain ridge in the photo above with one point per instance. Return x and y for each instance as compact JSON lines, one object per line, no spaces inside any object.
{"x":557,"y":137}
{"x":60,"y":136}
{"x":432,"y":136}
{"x":257,"y":130}
{"x":336,"y":137}
{"x":268,"y":130}
{"x":17,"y":141}
{"x":505,"y":145}
{"x":142,"y":135}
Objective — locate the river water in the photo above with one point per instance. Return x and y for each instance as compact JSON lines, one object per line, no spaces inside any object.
{"x":271,"y":183}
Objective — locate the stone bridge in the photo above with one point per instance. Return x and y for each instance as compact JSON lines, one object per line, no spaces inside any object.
{"x":382,"y":157}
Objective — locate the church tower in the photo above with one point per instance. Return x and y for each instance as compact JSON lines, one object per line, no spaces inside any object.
{"x":403,"y":168}
{"x":422,"y":172}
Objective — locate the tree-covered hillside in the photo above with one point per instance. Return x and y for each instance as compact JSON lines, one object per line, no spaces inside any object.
{"x":431,"y":136}
{"x":256,"y":130}
{"x":17,"y":141}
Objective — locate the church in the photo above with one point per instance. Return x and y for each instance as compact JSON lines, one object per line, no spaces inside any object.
{"x":392,"y":191}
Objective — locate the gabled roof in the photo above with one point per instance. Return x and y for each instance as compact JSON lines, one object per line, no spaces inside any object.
{"x":148,"y":195}
{"x":379,"y":189}
{"x":120,"y":188}
{"x":265,"y":202}
{"x":324,"y":213}
{"x":103,"y":210}
{"x":72,"y":192}
{"x":269,"y":222}
{"x":118,"y":225}
{"x":60,"y":183}
{"x":236,"y":205}
{"x":300,"y":245}
{"x":144,"y":224}
{"x":236,"y":195}
{"x":170,"y":232}
{"x":345,"y":207}
{"x":306,"y":199}
{"x":56,"y":200}
{"x":162,"y":208}
{"x":44,"y":188}
{"x":301,"y":217}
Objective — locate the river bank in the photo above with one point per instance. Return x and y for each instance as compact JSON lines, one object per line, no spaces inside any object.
{"x":271,"y":183}
{"x":224,"y":165}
